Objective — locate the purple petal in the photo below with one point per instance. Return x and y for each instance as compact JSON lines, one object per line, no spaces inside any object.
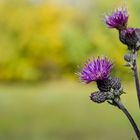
{"x":96,"y":69}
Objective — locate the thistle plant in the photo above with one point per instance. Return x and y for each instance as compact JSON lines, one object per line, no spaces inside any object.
{"x":99,"y":69}
{"x":128,"y":36}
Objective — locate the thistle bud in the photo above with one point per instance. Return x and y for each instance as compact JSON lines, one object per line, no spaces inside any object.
{"x":128,"y":57}
{"x":98,"y":97}
{"x":115,"y":83}
{"x":130,"y":37}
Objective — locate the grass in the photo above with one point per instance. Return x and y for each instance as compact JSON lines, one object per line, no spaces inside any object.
{"x":61,"y":110}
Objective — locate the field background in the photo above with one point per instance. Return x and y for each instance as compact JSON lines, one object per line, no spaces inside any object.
{"x":43,"y":43}
{"x":62,"y":111}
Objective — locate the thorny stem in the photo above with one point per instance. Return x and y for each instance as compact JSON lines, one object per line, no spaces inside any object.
{"x":119,"y":104}
{"x":135,"y":69}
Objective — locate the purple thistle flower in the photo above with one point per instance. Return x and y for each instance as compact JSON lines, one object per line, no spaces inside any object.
{"x":96,"y":69}
{"x":118,"y":19}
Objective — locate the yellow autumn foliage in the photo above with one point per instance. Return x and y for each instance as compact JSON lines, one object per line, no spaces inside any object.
{"x":46,"y":40}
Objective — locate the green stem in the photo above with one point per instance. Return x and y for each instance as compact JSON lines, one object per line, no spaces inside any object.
{"x":119,"y":104}
{"x":135,"y":69}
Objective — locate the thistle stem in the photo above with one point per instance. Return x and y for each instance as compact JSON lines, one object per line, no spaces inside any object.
{"x":125,"y":111}
{"x":135,"y":69}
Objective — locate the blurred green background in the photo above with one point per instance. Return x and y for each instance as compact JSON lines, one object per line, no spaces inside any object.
{"x":42,"y":45}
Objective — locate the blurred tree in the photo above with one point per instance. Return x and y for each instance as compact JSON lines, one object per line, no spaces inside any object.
{"x":42,"y":40}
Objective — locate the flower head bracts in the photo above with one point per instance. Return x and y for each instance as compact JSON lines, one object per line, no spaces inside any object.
{"x":118,"y":19}
{"x":130,"y":37}
{"x":130,"y":32}
{"x":96,"y":69}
